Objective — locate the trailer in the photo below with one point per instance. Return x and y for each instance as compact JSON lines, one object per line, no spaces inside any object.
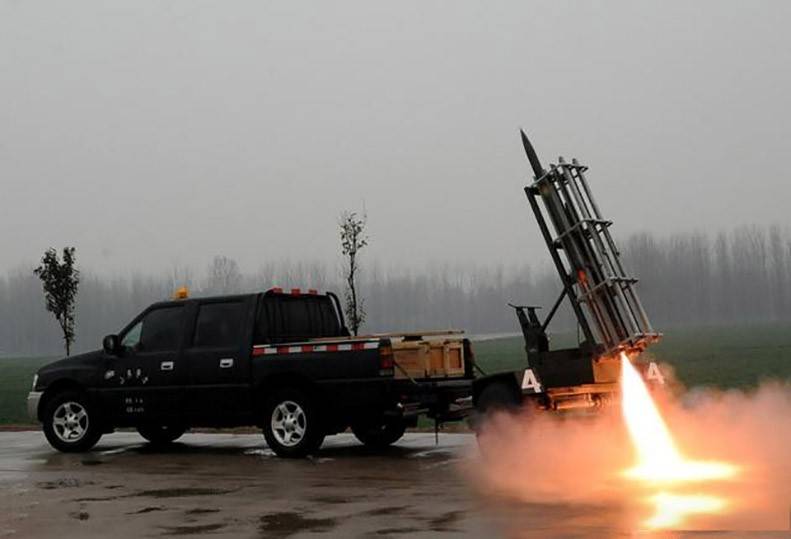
{"x":602,"y":295}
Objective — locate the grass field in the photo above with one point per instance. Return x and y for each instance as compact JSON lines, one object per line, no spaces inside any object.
{"x":16,"y":376}
{"x":724,"y":357}
{"x":738,"y":357}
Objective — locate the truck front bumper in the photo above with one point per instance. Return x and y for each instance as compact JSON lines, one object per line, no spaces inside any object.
{"x":33,"y":399}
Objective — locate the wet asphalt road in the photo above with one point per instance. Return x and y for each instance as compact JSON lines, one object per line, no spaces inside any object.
{"x":224,"y":485}
{"x":218,"y":485}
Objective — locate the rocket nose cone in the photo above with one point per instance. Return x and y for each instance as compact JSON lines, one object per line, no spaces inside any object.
{"x":531,"y":155}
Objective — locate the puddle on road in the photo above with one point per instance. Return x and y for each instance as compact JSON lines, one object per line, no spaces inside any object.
{"x":201,"y":511}
{"x":260,"y":453}
{"x":446,"y":522}
{"x":333,"y":500}
{"x":65,"y":482}
{"x":435,"y":453}
{"x":145,"y":510}
{"x":119,"y":450}
{"x":397,"y":531}
{"x":285,"y":524}
{"x":386,"y":511}
{"x":162,"y":493}
{"x":180,"y":492}
{"x":192,"y":530}
{"x":80,"y":515}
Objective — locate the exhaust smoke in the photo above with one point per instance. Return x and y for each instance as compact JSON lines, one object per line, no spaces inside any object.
{"x":703,"y":460}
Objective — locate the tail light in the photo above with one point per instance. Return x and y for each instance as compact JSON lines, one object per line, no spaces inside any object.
{"x":385,"y":359}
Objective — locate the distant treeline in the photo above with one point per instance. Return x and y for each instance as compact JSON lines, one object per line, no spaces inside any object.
{"x":688,"y":279}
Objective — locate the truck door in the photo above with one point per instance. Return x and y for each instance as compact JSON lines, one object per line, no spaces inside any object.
{"x":148,"y":376}
{"x":217,"y":357}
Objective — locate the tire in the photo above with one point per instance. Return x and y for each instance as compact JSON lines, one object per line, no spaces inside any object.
{"x":291,"y":424}
{"x":380,"y":436}
{"x":161,"y":434}
{"x":71,"y":423}
{"x":497,"y":397}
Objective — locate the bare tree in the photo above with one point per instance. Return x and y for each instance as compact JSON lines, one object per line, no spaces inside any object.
{"x":779,"y":271}
{"x":353,"y":239}
{"x":224,"y":276}
{"x":60,"y":281}
{"x":723,"y":278}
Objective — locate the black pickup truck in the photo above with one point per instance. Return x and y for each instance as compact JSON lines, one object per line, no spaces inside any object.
{"x":281,"y":360}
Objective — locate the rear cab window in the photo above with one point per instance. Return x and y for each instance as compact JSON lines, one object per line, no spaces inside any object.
{"x":282,"y":318}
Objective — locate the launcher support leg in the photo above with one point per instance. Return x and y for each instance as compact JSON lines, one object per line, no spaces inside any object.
{"x":553,"y":310}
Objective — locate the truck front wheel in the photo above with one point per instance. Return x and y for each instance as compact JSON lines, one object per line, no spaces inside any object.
{"x":71,"y":423}
{"x":381,"y":435}
{"x":291,"y":424}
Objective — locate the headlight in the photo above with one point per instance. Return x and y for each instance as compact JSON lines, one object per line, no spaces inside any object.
{"x":35,"y":381}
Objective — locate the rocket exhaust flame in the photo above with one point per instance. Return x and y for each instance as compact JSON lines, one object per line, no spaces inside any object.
{"x":660,"y":463}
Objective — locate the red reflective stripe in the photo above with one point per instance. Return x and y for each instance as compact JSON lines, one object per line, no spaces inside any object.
{"x":293,"y":291}
{"x":303,"y":348}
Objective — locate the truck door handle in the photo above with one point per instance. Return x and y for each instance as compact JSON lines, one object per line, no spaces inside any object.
{"x":166,"y":366}
{"x":226,"y":363}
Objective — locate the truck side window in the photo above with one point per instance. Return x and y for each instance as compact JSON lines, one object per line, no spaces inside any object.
{"x":219,"y":324}
{"x":158,"y":331}
{"x":132,"y":337}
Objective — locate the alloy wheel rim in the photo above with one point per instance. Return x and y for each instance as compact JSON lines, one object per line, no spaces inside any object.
{"x":289,"y":423}
{"x":70,"y":422}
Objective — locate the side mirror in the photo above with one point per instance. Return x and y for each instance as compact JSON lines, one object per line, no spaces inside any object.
{"x":111,"y":345}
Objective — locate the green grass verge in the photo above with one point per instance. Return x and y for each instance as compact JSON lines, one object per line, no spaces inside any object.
{"x":730,"y":357}
{"x":725,"y":357}
{"x":16,"y":377}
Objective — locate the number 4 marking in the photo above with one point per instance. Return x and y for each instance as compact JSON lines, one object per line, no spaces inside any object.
{"x":530,"y":382}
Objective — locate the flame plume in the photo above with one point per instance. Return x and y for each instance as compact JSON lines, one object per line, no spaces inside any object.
{"x":660,"y":464}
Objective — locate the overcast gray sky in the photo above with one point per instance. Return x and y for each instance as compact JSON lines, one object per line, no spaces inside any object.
{"x":151,"y":133}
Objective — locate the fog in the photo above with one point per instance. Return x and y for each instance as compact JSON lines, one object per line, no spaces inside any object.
{"x":151,"y":135}
{"x":734,"y":277}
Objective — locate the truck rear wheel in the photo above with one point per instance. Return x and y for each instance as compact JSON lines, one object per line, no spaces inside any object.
{"x":71,"y":423}
{"x":291,"y":424}
{"x":381,"y":435}
{"x":161,"y":434}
